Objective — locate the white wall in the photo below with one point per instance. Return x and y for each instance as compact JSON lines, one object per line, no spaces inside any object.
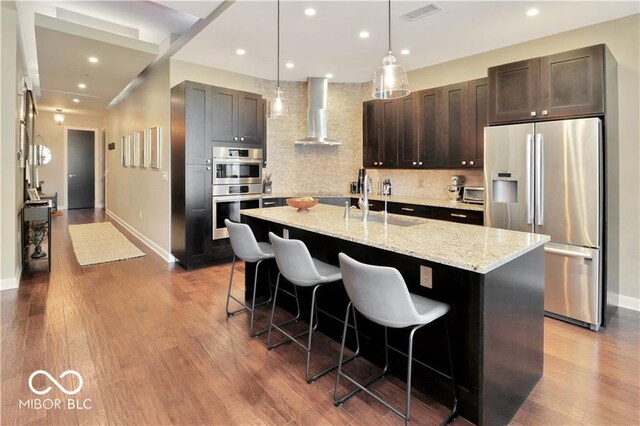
{"x":11,"y":181}
{"x":140,"y":197}
{"x":622,"y":37}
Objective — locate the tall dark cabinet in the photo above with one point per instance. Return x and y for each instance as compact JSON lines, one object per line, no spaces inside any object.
{"x":203,"y":116}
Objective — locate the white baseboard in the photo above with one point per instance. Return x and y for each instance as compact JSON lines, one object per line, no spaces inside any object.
{"x":168,"y":257}
{"x":629,"y":302}
{"x":11,"y":283}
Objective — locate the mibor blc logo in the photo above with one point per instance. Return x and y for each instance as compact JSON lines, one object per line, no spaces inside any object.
{"x":55,"y":403}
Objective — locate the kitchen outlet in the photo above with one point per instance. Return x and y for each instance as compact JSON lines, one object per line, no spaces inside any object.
{"x":426,"y":276}
{"x":165,"y":175}
{"x":285,"y":233}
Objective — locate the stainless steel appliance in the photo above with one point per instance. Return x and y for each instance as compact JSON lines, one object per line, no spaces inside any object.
{"x":547,"y":178}
{"x":228,"y":200}
{"x":454,"y":191}
{"x":237,"y":184}
{"x":473,"y":195}
{"x":232,"y":165}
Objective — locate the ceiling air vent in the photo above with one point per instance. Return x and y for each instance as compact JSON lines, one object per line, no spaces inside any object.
{"x":422,"y":12}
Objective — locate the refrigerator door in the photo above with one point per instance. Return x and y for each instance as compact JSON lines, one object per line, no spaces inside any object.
{"x":572,"y":282}
{"x":568,"y":181}
{"x":508,"y":168}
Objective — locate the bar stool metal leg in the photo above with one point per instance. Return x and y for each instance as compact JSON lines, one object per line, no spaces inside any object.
{"x":454,"y":411}
{"x":278,"y":326}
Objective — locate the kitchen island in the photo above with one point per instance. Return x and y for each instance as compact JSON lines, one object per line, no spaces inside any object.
{"x":493,"y":280}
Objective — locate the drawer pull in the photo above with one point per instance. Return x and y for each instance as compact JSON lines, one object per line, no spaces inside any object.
{"x":464,"y":216}
{"x":407,"y":209}
{"x":269,"y":203}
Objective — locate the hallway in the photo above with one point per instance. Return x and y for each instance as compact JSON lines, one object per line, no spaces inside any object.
{"x":154,"y":346}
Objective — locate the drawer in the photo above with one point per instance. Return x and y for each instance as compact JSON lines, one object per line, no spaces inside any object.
{"x":272,"y":202}
{"x":461,"y":216}
{"x":411,"y":210}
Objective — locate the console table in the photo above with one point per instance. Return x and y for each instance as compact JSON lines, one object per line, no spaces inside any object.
{"x":36,"y":227}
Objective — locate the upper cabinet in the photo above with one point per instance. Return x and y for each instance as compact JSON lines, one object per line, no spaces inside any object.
{"x":237,"y":117}
{"x":455,"y":124}
{"x":419,"y":125}
{"x":567,"y":84}
{"x":380,"y":133}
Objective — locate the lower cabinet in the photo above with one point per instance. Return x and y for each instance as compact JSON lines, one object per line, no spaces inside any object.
{"x":273,"y":202}
{"x":410,"y":210}
{"x":471,"y":217}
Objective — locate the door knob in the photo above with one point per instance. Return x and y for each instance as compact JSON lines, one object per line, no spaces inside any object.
{"x":71,"y":175}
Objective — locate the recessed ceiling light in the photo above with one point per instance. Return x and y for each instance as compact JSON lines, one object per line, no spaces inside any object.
{"x":82,"y":85}
{"x":93,"y":59}
{"x":329,"y":75}
{"x":310,"y":12}
{"x":532,"y":12}
{"x":241,"y":52}
{"x":76,"y":100}
{"x":405,"y":51}
{"x":289,"y":65}
{"x":364,"y":34}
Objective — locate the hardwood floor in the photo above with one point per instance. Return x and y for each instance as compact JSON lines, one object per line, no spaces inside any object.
{"x":154,"y":346}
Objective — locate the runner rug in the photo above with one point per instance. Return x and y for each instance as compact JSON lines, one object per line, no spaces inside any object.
{"x":95,"y":243}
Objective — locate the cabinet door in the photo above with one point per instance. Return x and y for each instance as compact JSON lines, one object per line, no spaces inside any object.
{"x":370,"y":133}
{"x":389,"y":112}
{"x":224,"y":115}
{"x":478,"y":120}
{"x":272,"y":202}
{"x":197,"y":213}
{"x":250,"y":118}
{"x":455,"y":125}
{"x":410,"y":210}
{"x":471,"y":217}
{"x":197,"y":131}
{"x":514,"y":91}
{"x":572,"y":83}
{"x":429,"y":123}
{"x":408,"y":150}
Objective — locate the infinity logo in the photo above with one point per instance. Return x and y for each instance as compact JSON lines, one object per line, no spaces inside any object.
{"x":55,"y":382}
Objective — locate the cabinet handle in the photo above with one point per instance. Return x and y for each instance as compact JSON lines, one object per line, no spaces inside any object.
{"x":208,"y":161}
{"x":420,"y":163}
{"x":268,"y":203}
{"x":235,"y":138}
{"x":545,"y":112}
{"x":241,"y":139}
{"x":533,"y":113}
{"x":407,"y":209}
{"x":464,"y":216}
{"x":208,"y":168}
{"x":375,"y":163}
{"x":370,"y":204}
{"x":464,"y":163}
{"x":471,"y":163}
{"x":380,"y":163}
{"x":414,"y":163}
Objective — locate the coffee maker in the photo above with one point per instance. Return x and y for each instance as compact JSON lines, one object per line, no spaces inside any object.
{"x":454,"y":190}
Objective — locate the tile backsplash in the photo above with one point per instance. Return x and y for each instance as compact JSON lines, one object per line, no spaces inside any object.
{"x":424,"y":183}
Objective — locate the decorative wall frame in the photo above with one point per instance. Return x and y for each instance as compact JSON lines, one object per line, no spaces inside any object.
{"x":155,"y":147}
{"x":141,"y":149}
{"x":123,"y":151}
{"x":133,"y":155}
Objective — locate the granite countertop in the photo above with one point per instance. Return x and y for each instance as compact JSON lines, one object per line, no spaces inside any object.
{"x":474,"y":248}
{"x":404,"y":199}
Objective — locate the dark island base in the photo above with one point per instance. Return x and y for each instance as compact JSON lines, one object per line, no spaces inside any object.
{"x":496,"y":323}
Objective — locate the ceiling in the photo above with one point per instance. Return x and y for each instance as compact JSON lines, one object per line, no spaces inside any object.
{"x":127,"y":36}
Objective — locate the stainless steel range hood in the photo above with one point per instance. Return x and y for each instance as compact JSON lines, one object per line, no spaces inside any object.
{"x":317,"y":89}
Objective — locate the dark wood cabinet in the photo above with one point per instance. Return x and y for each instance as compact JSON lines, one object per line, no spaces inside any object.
{"x":478,"y":120}
{"x":410,"y":210}
{"x":408,"y":132}
{"x":380,"y":134}
{"x":273,"y":202}
{"x":429,"y":123}
{"x":567,"y":84}
{"x":455,"y":121}
{"x":236,"y":117}
{"x":572,"y":83}
{"x":197,"y":215}
{"x":471,"y":217}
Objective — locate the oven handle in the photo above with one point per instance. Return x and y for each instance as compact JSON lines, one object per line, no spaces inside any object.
{"x":237,"y":160}
{"x":226,"y":198}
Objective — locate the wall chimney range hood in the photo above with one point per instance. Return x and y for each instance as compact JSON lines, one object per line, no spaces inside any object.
{"x":317,"y":89}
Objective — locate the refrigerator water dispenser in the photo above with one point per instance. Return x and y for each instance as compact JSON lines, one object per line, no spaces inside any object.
{"x":504,"y":188}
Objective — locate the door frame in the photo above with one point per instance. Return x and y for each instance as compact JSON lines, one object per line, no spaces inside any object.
{"x":96,"y":163}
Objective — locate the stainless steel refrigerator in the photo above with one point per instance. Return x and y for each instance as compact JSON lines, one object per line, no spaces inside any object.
{"x":547,"y":178}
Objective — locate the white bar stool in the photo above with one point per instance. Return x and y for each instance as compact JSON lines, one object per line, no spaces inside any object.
{"x":246,"y":248}
{"x":299,"y":268}
{"x":380,"y":294}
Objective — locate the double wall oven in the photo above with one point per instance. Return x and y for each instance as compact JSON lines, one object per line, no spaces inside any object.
{"x":237,"y":185}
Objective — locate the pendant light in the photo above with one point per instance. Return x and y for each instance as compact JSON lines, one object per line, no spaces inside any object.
{"x":390,"y":80}
{"x":278,"y":106}
{"x":58,"y":117}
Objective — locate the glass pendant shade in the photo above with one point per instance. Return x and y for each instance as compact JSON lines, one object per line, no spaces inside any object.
{"x":58,"y":117}
{"x":277,"y":106}
{"x":390,"y":80}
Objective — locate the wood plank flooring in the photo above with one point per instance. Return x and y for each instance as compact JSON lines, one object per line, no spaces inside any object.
{"x":154,"y":347}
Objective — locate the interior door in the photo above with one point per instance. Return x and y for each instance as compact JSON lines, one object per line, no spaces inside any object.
{"x":81,"y":169}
